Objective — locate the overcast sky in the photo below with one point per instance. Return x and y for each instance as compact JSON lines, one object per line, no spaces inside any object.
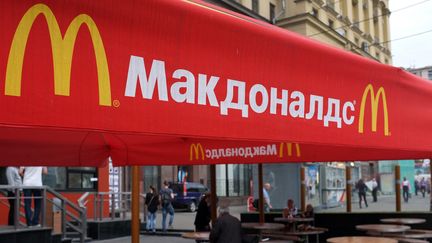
{"x":414,"y":51}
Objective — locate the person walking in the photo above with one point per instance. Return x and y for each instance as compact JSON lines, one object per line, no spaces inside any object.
{"x":423,"y":186}
{"x":374,"y":190}
{"x":405,"y":189}
{"x":267,"y":204}
{"x":227,"y":228}
{"x":32,"y":177}
{"x":361,"y":187}
{"x":13,"y":179}
{"x":152,"y":203}
{"x":416,"y":186}
{"x":166,"y":196}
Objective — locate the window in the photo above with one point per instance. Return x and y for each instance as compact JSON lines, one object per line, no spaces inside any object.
{"x":331,"y":23}
{"x":272,"y":12}
{"x":430,"y":74}
{"x":365,"y":46}
{"x":71,"y":178}
{"x":331,"y":3}
{"x":315,"y":12}
{"x":255,"y":6}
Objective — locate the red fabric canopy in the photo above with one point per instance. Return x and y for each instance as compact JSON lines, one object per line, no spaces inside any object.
{"x":183,"y":82}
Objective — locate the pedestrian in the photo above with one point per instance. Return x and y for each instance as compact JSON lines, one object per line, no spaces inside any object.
{"x":267,"y":204}
{"x":166,"y":196}
{"x":14,"y":180}
{"x":227,"y":228}
{"x":416,"y":186}
{"x":405,"y":189}
{"x":423,"y":186}
{"x":374,"y":190}
{"x":152,"y":203}
{"x":32,"y":177}
{"x":361,"y":187}
{"x":203,"y":215}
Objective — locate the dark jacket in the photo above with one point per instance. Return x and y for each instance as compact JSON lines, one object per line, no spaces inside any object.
{"x":361,"y":186}
{"x":203,"y":216}
{"x":227,"y":229}
{"x":152,"y":202}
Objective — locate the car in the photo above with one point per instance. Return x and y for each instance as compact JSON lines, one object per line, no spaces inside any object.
{"x":189,"y":198}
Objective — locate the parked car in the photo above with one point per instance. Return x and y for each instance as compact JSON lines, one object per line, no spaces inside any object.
{"x":188,"y":198}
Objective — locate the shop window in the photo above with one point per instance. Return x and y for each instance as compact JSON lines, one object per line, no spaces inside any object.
{"x":71,"y":178}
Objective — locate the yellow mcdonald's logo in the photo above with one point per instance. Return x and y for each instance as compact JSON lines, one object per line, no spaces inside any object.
{"x":62,"y":50}
{"x":375,"y":99}
{"x":289,"y":147}
{"x":196,"y":149}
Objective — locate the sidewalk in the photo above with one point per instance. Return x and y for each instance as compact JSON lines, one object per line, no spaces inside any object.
{"x":387,"y":204}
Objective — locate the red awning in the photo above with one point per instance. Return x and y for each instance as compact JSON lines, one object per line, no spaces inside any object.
{"x":183,"y":82}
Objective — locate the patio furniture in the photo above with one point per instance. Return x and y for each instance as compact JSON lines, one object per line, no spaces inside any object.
{"x":201,"y":236}
{"x":403,"y":220}
{"x":360,"y":239}
{"x":383,"y":228}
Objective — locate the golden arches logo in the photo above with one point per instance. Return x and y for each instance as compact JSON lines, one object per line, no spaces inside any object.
{"x":197,"y":150}
{"x":375,"y":100}
{"x":62,"y":50}
{"x":289,"y":147}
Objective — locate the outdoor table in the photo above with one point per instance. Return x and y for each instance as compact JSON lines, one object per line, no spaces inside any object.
{"x":403,"y":220}
{"x":201,"y":236}
{"x":383,"y":228}
{"x":260,"y":227}
{"x":360,"y":239}
{"x":413,"y":234}
{"x":293,"y":221}
{"x":307,"y":233}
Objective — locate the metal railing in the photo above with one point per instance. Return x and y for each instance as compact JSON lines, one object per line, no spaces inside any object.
{"x":119,"y":204}
{"x":73,"y":217}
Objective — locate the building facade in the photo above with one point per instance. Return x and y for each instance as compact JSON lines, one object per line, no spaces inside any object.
{"x":424,"y":72}
{"x":359,"y":26}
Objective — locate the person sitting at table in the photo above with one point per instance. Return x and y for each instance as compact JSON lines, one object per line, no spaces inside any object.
{"x":309,"y":213}
{"x":290,"y":211}
{"x":227,"y":228}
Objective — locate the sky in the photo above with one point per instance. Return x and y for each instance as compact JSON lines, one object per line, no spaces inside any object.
{"x":413,"y":51}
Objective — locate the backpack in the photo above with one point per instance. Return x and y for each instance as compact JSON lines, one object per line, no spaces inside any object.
{"x":166,"y":196}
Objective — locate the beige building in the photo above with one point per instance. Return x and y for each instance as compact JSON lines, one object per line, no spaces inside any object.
{"x":360,"y":26}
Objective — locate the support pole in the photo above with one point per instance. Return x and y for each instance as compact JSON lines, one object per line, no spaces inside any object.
{"x":348,"y":188}
{"x":302,"y":189}
{"x":260,"y":193}
{"x":213,"y":197}
{"x":135,"y":227}
{"x":398,"y":188}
